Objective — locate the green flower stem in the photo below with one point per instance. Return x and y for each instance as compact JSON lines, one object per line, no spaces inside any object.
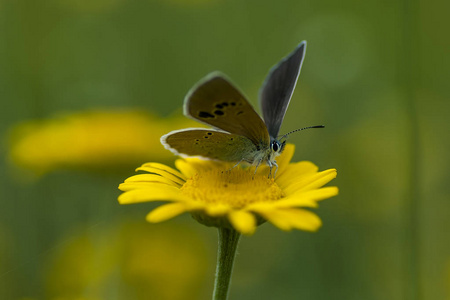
{"x":228,"y":242}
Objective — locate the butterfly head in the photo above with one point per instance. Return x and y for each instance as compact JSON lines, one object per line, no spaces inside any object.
{"x":277,"y":147}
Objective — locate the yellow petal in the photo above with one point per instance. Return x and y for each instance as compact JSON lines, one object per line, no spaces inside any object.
{"x":163,"y":167}
{"x":242,"y":221}
{"x":217,"y":209}
{"x":142,"y":178}
{"x":303,"y":219}
{"x":288,"y":219}
{"x":195,"y":205}
{"x":316,"y":194}
{"x":295,"y":172}
{"x":325,"y":177}
{"x":163,"y":170}
{"x":166,"y":212}
{"x":275,"y":217}
{"x":259,"y":206}
{"x":154,"y":192}
{"x":312,"y":182}
{"x":292,"y":201}
{"x":129,"y":186}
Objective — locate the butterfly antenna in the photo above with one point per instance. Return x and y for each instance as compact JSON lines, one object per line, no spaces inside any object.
{"x":309,"y":127}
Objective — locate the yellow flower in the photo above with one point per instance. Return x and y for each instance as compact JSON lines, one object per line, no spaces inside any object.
{"x":136,"y":257}
{"x":91,"y":140}
{"x":219,"y":196}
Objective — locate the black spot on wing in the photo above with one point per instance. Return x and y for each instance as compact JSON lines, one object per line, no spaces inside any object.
{"x":239,"y":112}
{"x":219,"y":113}
{"x":205,"y":115}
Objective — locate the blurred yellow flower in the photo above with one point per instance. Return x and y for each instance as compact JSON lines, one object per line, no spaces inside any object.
{"x":217,"y":195}
{"x":101,"y":140}
{"x":130,"y":263}
{"x":167,"y":262}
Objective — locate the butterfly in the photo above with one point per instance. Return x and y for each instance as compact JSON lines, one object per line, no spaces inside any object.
{"x":240,"y":134}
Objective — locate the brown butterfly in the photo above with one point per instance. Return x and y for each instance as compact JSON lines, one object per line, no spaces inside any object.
{"x":240,"y":134}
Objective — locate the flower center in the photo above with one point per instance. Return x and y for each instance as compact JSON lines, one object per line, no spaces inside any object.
{"x":237,"y":187}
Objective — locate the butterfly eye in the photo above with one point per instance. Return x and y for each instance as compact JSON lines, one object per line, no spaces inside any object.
{"x":275,"y":146}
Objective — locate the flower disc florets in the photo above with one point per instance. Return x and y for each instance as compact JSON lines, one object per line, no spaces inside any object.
{"x":236,"y":188}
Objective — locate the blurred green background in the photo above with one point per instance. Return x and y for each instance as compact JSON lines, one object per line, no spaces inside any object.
{"x":376,"y":73}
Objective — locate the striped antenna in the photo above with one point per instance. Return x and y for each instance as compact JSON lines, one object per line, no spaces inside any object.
{"x":309,"y":127}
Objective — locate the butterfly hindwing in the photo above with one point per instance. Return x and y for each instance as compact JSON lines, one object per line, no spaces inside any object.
{"x":277,"y":90}
{"x":210,"y":143}
{"x":215,"y":101}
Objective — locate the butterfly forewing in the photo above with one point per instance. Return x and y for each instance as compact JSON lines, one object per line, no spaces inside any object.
{"x":277,"y":90}
{"x":215,"y":101}
{"x":210,"y":143}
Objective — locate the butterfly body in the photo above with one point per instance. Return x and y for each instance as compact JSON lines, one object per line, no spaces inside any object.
{"x":239,"y":133}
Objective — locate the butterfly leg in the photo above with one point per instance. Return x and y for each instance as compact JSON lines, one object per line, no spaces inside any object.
{"x":257,"y":165}
{"x":270,"y":168}
{"x":237,"y":164}
{"x":276,"y":168}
